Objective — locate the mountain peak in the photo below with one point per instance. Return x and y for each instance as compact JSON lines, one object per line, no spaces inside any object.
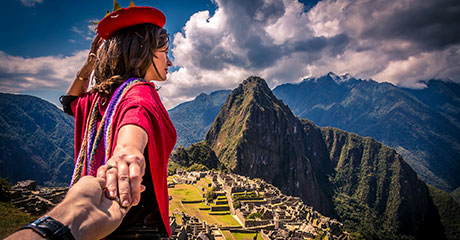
{"x":331,"y":76}
{"x":340,"y":79}
{"x":255,"y":131}
{"x":255,"y":81}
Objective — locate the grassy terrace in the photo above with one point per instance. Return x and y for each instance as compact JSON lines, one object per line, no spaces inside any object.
{"x":191,"y":192}
{"x":241,"y":236}
{"x":204,"y":183}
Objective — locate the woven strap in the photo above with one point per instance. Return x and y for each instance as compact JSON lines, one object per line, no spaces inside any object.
{"x":86,"y":163}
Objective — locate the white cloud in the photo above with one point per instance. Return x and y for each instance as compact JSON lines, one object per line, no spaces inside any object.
{"x":424,"y":66}
{"x":30,"y":3}
{"x":282,"y":42}
{"x":51,"y":72}
{"x":88,"y":32}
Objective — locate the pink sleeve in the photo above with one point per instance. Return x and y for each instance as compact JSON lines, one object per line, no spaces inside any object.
{"x":136,"y":114}
{"x":136,"y":108}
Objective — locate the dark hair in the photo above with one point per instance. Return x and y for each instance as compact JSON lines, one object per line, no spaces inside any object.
{"x":127,"y":53}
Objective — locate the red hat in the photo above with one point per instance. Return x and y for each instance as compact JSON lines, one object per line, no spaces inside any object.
{"x":126,"y":17}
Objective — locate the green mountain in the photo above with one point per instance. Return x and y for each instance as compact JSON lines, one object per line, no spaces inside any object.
{"x":198,"y":157}
{"x":449,"y":210}
{"x":193,"y":119}
{"x":422,"y":125}
{"x":365,"y":184}
{"x":36,"y":141}
{"x":456,"y":195}
{"x":376,"y":192}
{"x":256,"y":135}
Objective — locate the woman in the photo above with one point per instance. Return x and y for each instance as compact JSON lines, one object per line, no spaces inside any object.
{"x":122,"y":131}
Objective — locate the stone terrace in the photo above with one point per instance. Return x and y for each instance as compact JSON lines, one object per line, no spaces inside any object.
{"x":261,"y":207}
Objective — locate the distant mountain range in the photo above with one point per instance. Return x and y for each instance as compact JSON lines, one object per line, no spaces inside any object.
{"x":193,"y":119}
{"x":36,"y":141}
{"x":422,"y":125}
{"x":366,"y":185}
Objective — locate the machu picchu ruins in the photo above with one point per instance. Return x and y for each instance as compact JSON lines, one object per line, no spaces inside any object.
{"x":256,"y":207}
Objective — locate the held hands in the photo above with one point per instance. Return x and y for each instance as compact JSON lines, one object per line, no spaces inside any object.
{"x":123,"y":173}
{"x":87,"y":212}
{"x":125,"y":169}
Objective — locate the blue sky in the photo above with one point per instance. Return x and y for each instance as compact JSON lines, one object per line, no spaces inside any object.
{"x":216,"y":44}
{"x":54,"y":27}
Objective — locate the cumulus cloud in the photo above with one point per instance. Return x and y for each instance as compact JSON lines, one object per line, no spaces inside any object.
{"x":41,"y":73}
{"x":30,"y":3}
{"x":401,"y":42}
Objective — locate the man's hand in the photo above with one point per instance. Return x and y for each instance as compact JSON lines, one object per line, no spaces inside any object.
{"x":87,"y":211}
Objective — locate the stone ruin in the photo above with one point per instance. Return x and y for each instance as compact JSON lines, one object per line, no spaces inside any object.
{"x":27,"y":197}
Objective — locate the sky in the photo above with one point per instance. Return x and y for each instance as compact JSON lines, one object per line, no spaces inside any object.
{"x":216,"y":44}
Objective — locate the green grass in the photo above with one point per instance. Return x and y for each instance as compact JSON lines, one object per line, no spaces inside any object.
{"x":241,"y":236}
{"x":203,"y":183}
{"x":190,"y":192}
{"x":207,"y":181}
{"x":186,"y":192}
{"x":11,"y":219}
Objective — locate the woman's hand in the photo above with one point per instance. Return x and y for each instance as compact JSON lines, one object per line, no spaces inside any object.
{"x":81,"y":82}
{"x":87,"y":67}
{"x":125,"y":169}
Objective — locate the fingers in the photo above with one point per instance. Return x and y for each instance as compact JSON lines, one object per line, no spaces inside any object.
{"x":124,"y":177}
{"x":101,"y":181}
{"x":135,"y":178}
{"x":101,"y":172}
{"x":124,"y":187}
{"x":112,"y":181}
{"x":96,"y":43}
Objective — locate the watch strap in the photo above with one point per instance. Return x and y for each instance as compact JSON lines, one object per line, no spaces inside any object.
{"x":49,"y":228}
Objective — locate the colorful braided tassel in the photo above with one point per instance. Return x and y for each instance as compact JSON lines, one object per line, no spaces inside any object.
{"x":86,"y":163}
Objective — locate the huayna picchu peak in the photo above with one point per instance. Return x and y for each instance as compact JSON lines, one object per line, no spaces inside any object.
{"x":256,"y":135}
{"x":360,"y":181}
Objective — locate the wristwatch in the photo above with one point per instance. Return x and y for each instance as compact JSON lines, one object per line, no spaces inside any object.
{"x":49,"y":228}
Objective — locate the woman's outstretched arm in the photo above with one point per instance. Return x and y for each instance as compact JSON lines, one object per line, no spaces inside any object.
{"x":80,"y":84}
{"x":125,"y":169}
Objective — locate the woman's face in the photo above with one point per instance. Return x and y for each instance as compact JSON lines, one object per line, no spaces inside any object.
{"x":162,"y":64}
